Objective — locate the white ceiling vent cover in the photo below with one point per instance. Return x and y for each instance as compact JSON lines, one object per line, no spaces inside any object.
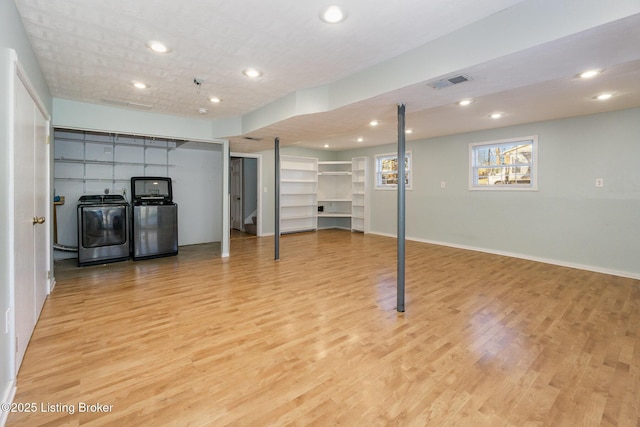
{"x":450,"y":81}
{"x":127,"y":104}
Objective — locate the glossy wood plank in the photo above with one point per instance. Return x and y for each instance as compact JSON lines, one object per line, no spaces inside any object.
{"x":314,"y":339}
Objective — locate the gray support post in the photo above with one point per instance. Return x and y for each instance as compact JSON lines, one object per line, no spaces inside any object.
{"x":401,"y":208}
{"x":277,"y":200}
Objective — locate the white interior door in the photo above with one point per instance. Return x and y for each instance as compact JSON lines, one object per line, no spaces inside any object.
{"x":236,"y":194}
{"x":31,"y":195}
{"x":24,"y":212}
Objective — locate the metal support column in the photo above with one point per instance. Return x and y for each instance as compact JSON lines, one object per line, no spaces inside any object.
{"x":277,"y":200}
{"x":401,"y":207}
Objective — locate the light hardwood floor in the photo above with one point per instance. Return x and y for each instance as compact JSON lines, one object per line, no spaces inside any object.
{"x":314,"y":339}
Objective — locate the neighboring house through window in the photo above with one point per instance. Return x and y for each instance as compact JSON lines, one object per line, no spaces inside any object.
{"x":387,"y":171}
{"x":508,"y":164}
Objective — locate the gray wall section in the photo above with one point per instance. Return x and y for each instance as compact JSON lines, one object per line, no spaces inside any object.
{"x":197,"y":189}
{"x":567,"y":221}
{"x":249,"y":180}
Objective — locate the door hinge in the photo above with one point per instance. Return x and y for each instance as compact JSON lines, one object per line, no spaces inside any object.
{"x":49,"y":274}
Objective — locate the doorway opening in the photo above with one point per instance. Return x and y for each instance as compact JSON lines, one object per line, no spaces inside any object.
{"x":245,"y":201}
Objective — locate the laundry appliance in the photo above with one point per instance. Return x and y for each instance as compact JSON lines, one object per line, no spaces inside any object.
{"x":154,"y":218}
{"x":103,"y":229}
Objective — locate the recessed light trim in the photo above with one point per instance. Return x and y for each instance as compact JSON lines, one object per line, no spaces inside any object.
{"x":215,"y":100}
{"x":140,"y":85}
{"x":202,"y":110}
{"x":466,"y":102}
{"x":359,"y":139}
{"x":496,"y":115}
{"x":252,"y":72}
{"x":603,"y":96}
{"x":589,"y":74}
{"x":333,"y":15}
{"x":374,"y":123}
{"x":157,"y":47}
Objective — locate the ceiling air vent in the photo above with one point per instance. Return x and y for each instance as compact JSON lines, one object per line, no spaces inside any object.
{"x":127,"y":104}
{"x":450,"y":81}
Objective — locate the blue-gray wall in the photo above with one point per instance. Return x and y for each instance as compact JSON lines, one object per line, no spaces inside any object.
{"x":568,"y":221}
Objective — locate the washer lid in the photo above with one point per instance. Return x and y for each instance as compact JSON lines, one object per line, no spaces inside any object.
{"x":151,"y":188}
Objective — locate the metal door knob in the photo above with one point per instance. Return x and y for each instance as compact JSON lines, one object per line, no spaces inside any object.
{"x":38,"y":220}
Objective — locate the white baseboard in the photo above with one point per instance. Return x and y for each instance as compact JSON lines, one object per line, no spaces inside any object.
{"x":7,"y":397}
{"x":560,"y":263}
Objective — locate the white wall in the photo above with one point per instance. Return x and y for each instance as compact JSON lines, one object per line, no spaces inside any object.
{"x":568,"y":221}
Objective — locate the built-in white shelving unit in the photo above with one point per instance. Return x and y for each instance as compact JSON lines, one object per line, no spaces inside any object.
{"x":358,"y":193}
{"x":322,"y":194}
{"x":298,"y":194}
{"x":334,"y":194}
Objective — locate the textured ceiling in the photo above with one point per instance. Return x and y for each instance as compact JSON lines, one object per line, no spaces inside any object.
{"x":92,"y":51}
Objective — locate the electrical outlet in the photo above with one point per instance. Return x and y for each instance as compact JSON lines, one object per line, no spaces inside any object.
{"x":599,"y":182}
{"x":7,"y":316}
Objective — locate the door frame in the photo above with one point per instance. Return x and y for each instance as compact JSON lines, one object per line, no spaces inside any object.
{"x":18,"y":73}
{"x":259,"y":189}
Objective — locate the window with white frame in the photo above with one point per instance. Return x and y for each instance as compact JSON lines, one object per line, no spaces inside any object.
{"x":507,"y":164}
{"x":387,"y":171}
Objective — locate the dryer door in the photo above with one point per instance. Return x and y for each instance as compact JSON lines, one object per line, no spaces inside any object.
{"x":104,"y":225}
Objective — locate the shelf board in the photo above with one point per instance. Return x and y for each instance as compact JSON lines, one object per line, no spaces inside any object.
{"x":92,"y":179}
{"x":143,"y":144}
{"x":335,"y":173}
{"x":334,"y":162}
{"x":334,"y":215}
{"x":325,"y":199}
{"x":109,"y":163}
{"x":299,"y":206}
{"x":300,"y":181}
{"x":284,"y":218}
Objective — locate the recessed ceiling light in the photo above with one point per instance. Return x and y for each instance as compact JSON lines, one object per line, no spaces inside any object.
{"x":465,"y":102}
{"x":589,"y":74}
{"x":202,"y":110}
{"x":359,"y":139}
{"x":603,"y":96}
{"x":496,"y":115}
{"x":139,"y":85}
{"x":408,"y":131}
{"x":374,"y":123}
{"x":326,"y":145}
{"x":215,"y":99}
{"x":252,"y":73}
{"x":157,"y":47}
{"x":333,"y":15}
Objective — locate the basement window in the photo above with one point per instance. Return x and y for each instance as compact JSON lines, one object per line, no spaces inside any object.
{"x":508,"y":164}
{"x":387,"y":171}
